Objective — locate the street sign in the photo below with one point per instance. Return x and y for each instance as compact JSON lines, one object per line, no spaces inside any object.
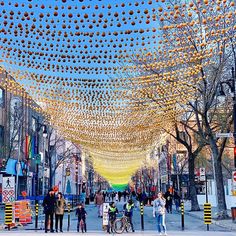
{"x":234,"y":183}
{"x":105,"y":217}
{"x":8,"y":189}
{"x":202,"y":176}
{"x":234,"y":176}
{"x":224,"y":135}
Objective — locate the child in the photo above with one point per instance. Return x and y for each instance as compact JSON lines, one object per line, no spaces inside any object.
{"x":112,"y":216}
{"x":81,"y":213}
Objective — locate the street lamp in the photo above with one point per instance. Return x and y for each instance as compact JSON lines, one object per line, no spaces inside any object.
{"x":44,"y":138}
{"x":19,"y":140}
{"x":231,"y":84}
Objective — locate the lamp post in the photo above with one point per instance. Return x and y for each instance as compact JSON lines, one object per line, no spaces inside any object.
{"x":231,"y":84}
{"x":18,"y":161}
{"x":19,"y":145}
{"x":44,"y":138}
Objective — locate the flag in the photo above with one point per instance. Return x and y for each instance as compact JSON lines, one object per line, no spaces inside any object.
{"x":27,"y":146}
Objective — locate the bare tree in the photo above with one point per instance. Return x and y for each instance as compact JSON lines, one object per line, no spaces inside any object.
{"x":16,"y":125}
{"x":194,"y":37}
{"x":56,"y":148}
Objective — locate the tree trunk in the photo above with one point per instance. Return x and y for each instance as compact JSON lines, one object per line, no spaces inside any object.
{"x":192,"y":187}
{"x":220,"y":193}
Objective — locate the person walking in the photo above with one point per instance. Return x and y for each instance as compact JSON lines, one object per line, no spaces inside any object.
{"x":59,"y":211}
{"x":112,"y":212}
{"x":104,"y":195}
{"x":49,"y":203}
{"x":109,"y":196}
{"x":128,"y":209}
{"x":112,"y":196}
{"x":125,"y":194}
{"x":117,"y":197}
{"x":81,"y":214}
{"x":177,"y":200}
{"x":134,"y":197}
{"x":159,"y":212}
{"x":99,"y":200}
{"x":169,"y":201}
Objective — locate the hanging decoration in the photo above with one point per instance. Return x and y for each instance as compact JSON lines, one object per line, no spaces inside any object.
{"x":107,"y":75}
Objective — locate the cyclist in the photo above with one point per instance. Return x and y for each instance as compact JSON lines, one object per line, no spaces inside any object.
{"x":128,"y":209}
{"x":112,"y":211}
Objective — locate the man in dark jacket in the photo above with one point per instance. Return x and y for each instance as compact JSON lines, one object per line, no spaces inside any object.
{"x":169,"y":199}
{"x":49,"y":206}
{"x":81,"y":214}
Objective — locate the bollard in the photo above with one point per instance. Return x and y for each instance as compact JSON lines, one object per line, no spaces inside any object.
{"x":8,"y":215}
{"x":182,"y":215}
{"x":36,"y":215}
{"x":207,"y":215}
{"x":142,"y":213}
{"x":68,"y":207}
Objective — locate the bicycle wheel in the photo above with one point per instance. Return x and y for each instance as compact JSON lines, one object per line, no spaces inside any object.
{"x":118,"y":226}
{"x":128,"y":227}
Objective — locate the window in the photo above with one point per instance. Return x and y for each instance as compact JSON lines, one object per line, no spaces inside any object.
{"x":2,"y":97}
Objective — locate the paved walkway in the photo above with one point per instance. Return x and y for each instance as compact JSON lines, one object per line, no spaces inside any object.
{"x":228,"y":224}
{"x":193,"y":222}
{"x":138,"y":233}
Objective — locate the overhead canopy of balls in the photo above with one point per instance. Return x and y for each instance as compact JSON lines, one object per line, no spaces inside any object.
{"x":109,"y":75}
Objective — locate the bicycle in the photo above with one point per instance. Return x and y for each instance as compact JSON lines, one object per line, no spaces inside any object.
{"x":122,"y":224}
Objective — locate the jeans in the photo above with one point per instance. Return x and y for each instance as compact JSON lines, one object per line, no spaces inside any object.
{"x":78,"y":224}
{"x":60,"y":219}
{"x":169,"y":207}
{"x":48,"y":216}
{"x":100,"y":210}
{"x":161,"y":223}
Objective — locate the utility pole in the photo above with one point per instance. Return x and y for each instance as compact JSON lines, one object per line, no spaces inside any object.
{"x":19,"y":144}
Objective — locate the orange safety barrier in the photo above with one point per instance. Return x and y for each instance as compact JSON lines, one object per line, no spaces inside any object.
{"x":23,"y":212}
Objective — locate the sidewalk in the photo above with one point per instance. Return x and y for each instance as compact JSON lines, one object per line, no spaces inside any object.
{"x":137,"y":233}
{"x":228,"y":224}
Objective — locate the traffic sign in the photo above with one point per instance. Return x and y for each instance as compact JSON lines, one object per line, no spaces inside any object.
{"x":224,"y":135}
{"x":234,"y":176}
{"x":8,"y":189}
{"x":234,"y":183}
{"x":105,"y":218}
{"x":202,"y":176}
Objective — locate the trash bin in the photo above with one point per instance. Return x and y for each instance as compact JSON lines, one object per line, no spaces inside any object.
{"x":233,"y":213}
